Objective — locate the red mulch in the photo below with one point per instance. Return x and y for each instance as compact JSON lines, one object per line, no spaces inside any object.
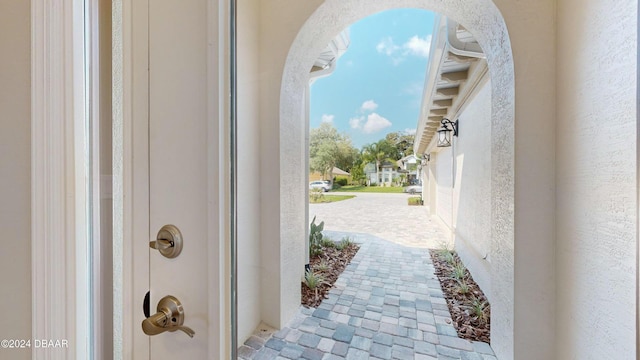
{"x":337,"y":261}
{"x":467,"y":325}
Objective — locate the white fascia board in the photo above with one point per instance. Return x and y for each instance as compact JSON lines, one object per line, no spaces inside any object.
{"x":436,"y":57}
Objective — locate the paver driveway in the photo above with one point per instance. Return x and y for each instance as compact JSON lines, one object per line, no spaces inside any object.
{"x":383,"y":215}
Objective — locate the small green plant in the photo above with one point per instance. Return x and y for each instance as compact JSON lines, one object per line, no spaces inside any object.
{"x":449,"y":257}
{"x":446,"y":253}
{"x":322,"y":266}
{"x":327,"y":243}
{"x":416,"y":200}
{"x":315,"y":238}
{"x":313,"y":281}
{"x":344,"y":243}
{"x":480,"y":309}
{"x":462,"y":287}
{"x":459,"y":271}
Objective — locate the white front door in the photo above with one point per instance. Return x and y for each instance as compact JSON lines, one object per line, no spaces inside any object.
{"x":178,"y":159}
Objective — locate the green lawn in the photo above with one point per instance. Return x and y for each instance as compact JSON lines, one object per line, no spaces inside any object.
{"x":373,"y":189}
{"x":330,"y":198}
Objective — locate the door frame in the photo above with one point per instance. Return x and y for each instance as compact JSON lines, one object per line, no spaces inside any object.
{"x":59,"y":182}
{"x":59,"y":187}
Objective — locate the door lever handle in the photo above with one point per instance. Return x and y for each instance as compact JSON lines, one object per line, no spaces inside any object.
{"x":170,"y":317}
{"x":168,"y":241}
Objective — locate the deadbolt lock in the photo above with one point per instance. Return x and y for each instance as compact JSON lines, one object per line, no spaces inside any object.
{"x":168,"y":241}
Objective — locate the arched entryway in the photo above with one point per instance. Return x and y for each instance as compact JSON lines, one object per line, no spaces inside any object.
{"x":484,"y":20}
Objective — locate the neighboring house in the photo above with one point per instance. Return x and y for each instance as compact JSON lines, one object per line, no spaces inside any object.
{"x":410,"y":165}
{"x":387,"y":174}
{"x":336,"y":172}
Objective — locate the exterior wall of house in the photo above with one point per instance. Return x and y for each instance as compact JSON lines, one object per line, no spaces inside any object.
{"x":15,"y":172}
{"x":249,"y":241}
{"x":532,"y":34}
{"x":384,"y":177}
{"x":472,"y":188}
{"x":282,"y":263}
{"x":596,"y":186}
{"x":444,"y":181}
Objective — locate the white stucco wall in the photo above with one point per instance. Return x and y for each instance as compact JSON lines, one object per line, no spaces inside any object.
{"x":596,"y":179}
{"x":444,"y":189}
{"x":472,"y":189}
{"x":532,"y":30}
{"x":282,"y":261}
{"x":249,"y":244}
{"x":15,"y":174}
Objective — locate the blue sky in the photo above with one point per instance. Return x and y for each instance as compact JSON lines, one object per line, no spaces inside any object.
{"x":377,"y":85}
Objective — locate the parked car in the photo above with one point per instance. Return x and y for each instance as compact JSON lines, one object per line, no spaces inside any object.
{"x":324,"y":185}
{"x":413,"y":189}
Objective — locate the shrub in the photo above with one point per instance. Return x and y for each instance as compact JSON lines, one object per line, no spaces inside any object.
{"x":415,"y":200}
{"x":342,"y":181}
{"x":316,"y":195}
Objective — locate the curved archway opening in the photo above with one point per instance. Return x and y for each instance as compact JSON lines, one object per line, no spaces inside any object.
{"x":480,"y":17}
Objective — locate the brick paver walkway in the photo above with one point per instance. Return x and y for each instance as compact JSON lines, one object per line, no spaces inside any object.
{"x":387,"y":304}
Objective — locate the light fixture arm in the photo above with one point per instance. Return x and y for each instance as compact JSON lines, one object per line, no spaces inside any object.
{"x":454,"y":125}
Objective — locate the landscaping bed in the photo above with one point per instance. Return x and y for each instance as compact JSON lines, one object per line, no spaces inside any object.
{"x":469,"y":308}
{"x":328,"y":265}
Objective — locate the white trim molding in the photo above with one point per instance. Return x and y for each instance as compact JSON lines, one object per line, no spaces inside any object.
{"x":58,"y":180}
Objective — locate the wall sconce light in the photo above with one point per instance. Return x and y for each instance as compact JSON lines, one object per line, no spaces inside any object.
{"x":426,"y":158}
{"x":444,"y":133}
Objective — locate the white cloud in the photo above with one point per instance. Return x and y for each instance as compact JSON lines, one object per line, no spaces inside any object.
{"x":356,"y":122}
{"x":375,"y":123}
{"x":328,"y":118}
{"x":368,"y":106}
{"x":418,"y":46}
{"x":387,"y":47}
{"x":409,"y":131}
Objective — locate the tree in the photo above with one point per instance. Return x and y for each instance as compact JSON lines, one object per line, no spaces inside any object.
{"x":402,"y":141}
{"x":357,"y":173}
{"x":328,"y":149}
